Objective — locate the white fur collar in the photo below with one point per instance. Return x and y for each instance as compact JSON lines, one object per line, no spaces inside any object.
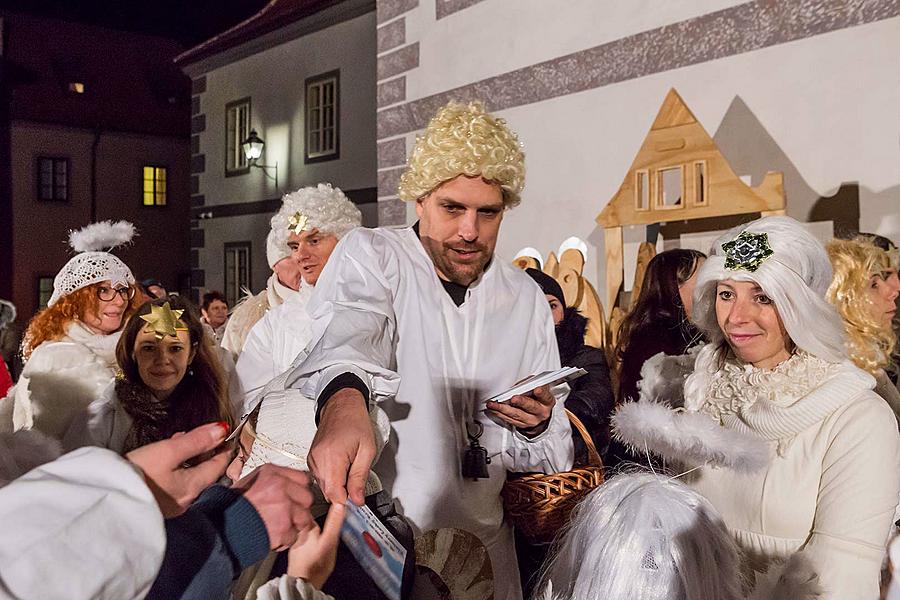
{"x":102,"y":346}
{"x":775,"y":404}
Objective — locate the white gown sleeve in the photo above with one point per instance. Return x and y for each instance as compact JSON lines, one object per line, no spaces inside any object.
{"x":290,"y":588}
{"x":94,"y":425}
{"x":82,"y":526}
{"x":353,"y":321}
{"x":256,"y":366}
{"x":551,"y":451}
{"x":858,"y":493}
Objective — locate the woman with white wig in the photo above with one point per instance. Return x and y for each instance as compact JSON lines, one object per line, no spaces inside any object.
{"x":790,"y":443}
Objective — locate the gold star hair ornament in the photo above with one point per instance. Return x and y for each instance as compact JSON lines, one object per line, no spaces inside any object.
{"x":747,"y":251}
{"x":163,"y":321}
{"x":298,"y":222}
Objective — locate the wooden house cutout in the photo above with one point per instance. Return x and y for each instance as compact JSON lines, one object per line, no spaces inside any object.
{"x":679,"y":174}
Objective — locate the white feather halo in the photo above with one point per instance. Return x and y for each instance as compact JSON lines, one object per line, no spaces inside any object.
{"x":102,"y":236}
{"x":690,"y":438}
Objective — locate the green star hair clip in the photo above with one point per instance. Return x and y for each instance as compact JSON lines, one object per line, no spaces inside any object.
{"x":747,"y":251}
{"x":298,"y":222}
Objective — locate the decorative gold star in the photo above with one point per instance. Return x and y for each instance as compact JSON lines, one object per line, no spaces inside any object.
{"x":163,"y":321}
{"x":298,"y":222}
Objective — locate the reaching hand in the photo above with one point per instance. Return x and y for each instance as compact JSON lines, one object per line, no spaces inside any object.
{"x":530,"y":413}
{"x":282,"y":498}
{"x":343,"y":449}
{"x":312,"y":558}
{"x":173,"y":485}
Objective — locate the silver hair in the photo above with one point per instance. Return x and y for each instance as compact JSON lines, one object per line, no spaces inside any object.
{"x":643,"y":537}
{"x":795,"y":277}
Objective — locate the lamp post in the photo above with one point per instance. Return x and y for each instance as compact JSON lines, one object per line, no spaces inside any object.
{"x":253,"y":148}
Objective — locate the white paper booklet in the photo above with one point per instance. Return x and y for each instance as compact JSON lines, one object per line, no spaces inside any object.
{"x":551,"y":378}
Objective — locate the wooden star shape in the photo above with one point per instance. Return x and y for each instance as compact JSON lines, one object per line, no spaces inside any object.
{"x":163,"y":321}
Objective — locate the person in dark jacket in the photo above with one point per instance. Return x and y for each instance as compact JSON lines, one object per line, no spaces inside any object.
{"x":591,"y":398}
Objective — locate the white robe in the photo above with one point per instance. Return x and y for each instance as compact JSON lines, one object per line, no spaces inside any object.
{"x":84,"y":526}
{"x":60,"y":379}
{"x":273,"y":344}
{"x":379,"y":311}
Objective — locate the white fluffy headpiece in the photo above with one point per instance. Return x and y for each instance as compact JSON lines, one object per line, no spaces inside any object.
{"x":94,"y":263}
{"x":795,"y":276}
{"x":324,"y":207}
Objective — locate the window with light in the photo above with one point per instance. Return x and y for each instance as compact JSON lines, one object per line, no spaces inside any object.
{"x":154,"y":186}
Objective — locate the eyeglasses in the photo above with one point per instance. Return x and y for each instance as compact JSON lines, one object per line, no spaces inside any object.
{"x":107,"y":293}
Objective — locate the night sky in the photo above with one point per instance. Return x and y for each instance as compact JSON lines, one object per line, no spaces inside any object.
{"x":188,"y":21}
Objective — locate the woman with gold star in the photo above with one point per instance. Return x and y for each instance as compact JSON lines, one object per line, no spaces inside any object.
{"x":170,"y":381}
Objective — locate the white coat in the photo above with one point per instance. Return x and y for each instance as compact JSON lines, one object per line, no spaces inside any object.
{"x":379,"y":311}
{"x":61,"y":378}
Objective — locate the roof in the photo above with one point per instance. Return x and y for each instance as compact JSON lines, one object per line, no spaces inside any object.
{"x":128,"y":81}
{"x":275,"y":15}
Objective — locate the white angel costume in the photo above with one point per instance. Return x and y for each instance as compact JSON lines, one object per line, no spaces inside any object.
{"x":273,"y":344}
{"x":62,"y":377}
{"x":381,"y":313}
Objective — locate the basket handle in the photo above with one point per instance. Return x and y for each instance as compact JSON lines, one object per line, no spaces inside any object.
{"x":594,"y":459}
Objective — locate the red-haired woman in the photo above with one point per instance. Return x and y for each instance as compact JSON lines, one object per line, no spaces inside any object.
{"x":69,"y":347}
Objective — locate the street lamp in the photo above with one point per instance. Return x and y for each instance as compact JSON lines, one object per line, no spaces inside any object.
{"x":253,"y":147}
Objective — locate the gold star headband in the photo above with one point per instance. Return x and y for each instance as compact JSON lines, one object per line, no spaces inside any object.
{"x":298,"y":222}
{"x":163,"y":321}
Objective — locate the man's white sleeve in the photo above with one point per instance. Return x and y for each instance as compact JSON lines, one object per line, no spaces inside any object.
{"x":551,"y":451}
{"x":353,"y":323}
{"x":82,"y":526}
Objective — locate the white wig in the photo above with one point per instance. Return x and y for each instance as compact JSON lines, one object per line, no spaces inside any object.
{"x":321,"y":207}
{"x":795,"y":275}
{"x":644,"y":537}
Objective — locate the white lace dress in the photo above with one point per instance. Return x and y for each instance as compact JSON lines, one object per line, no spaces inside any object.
{"x":832,"y":486}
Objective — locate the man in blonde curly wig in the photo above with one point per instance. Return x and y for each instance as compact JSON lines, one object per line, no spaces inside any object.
{"x":424,"y":321}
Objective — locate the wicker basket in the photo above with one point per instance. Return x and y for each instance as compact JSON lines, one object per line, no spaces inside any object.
{"x":539,"y":505}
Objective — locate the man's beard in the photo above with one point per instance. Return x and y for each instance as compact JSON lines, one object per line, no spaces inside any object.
{"x":459,"y":273}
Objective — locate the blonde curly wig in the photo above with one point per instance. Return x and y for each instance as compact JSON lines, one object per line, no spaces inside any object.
{"x":869,"y":342}
{"x":463,"y":139}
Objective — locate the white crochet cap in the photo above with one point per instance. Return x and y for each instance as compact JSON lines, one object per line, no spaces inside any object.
{"x":796,"y":277}
{"x":326,"y":208}
{"x":92,"y":264}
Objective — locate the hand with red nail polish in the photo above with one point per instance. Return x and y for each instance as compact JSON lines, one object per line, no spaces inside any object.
{"x":173,"y":485}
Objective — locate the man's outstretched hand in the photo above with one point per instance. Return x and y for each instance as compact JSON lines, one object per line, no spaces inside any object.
{"x":343,"y":449}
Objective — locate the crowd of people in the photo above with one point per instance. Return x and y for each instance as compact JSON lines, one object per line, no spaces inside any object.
{"x":747,"y":417}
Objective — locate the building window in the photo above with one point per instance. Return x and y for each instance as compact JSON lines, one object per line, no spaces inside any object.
{"x":237,"y":270}
{"x":44,"y":291}
{"x":237,"y":129}
{"x":154,"y":186}
{"x":53,"y":178}
{"x":322,"y":117}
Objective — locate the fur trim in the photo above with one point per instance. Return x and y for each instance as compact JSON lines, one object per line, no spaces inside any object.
{"x":102,"y":236}
{"x":663,"y":376}
{"x":570,"y":334}
{"x":25,"y":450}
{"x":693,"y":439}
{"x":793,"y":579}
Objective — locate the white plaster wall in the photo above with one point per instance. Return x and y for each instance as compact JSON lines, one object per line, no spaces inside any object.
{"x":829,"y":103}
{"x":274,"y":80}
{"x":497,"y":36}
